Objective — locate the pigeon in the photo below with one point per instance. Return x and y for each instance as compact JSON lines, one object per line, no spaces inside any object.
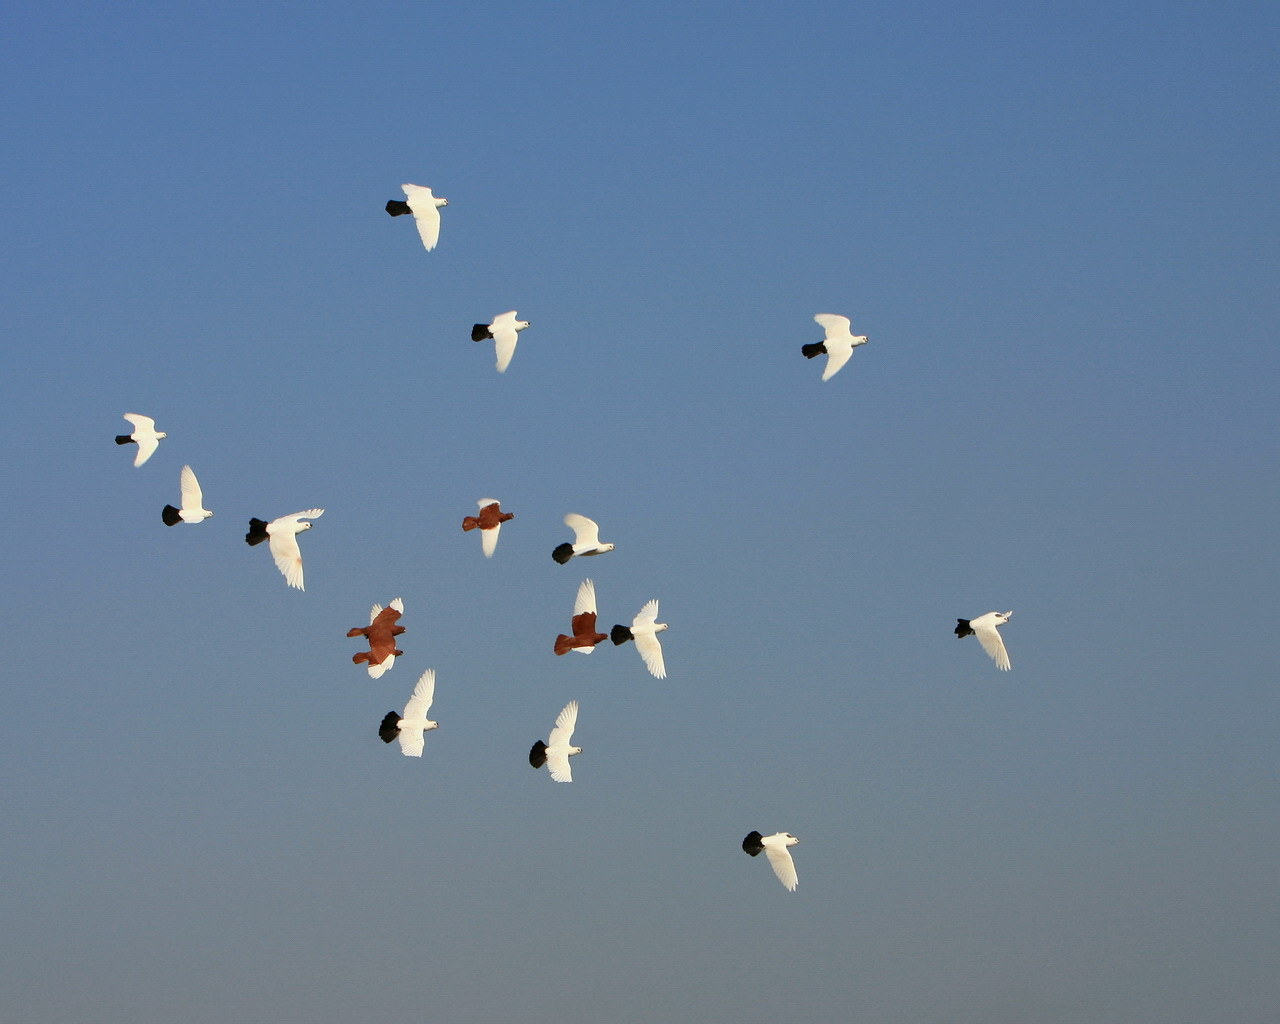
{"x":586,"y":539}
{"x":425,"y":209}
{"x":838,"y":344}
{"x":643,"y":629}
{"x":555,"y":753}
{"x":984,"y":628}
{"x":775,"y":848}
{"x":283,"y":534}
{"x":381,"y":633}
{"x":144,"y":436}
{"x":411,"y":727}
{"x":489,"y":522}
{"x":503,"y":331}
{"x":584,"y":637}
{"x":193,"y":510}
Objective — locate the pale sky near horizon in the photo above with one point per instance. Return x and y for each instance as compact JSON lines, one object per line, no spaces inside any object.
{"x":1057,"y":225}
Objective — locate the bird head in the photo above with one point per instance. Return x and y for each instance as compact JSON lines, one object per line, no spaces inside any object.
{"x":575,"y":750}
{"x":441,"y":201}
{"x":430,"y":725}
{"x":162,"y":434}
{"x":1007,"y":615}
{"x":521,"y":324}
{"x":606,"y":547}
{"x":790,"y":839}
{"x":658,"y":627}
{"x":304,"y":525}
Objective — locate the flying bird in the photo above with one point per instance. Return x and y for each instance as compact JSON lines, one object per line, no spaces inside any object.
{"x":193,"y":510}
{"x":586,"y":539}
{"x":283,"y":534}
{"x":503,"y":331}
{"x":488,"y":522}
{"x":984,"y":628}
{"x":838,"y":344}
{"x":411,"y":727}
{"x":381,"y":633}
{"x":775,"y":848}
{"x":144,"y":436}
{"x":555,"y":753}
{"x":644,"y":628}
{"x":425,"y":209}
{"x":584,"y":637}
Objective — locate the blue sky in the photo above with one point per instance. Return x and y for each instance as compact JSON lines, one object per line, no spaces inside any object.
{"x":1057,"y":224}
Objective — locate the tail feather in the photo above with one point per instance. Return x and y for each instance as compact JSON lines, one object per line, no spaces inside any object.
{"x":397,"y":207}
{"x":389,"y":729}
{"x":470,"y":523}
{"x":257,"y":532}
{"x":752,"y":844}
{"x":962,"y":628}
{"x":538,"y":754}
{"x":564,"y":644}
{"x":816,"y":349}
{"x":170,"y":515}
{"x":125,"y":439}
{"x":360,"y":657}
{"x":480,"y":332}
{"x":620,"y":635}
{"x":563,"y":552}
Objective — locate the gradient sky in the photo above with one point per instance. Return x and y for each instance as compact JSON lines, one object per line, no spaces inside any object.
{"x":1058,"y":226}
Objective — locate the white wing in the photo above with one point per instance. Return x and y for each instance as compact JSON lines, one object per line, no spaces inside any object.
{"x":646,"y":616}
{"x":651,"y":651}
{"x":565,"y":723}
{"x":377,"y":671}
{"x":284,"y":548}
{"x":783,"y":866}
{"x":838,"y":352}
{"x":585,"y":531}
{"x":192,"y":496}
{"x":398,"y":605}
{"x":374,"y":612}
{"x":558,"y":766}
{"x":489,"y":540}
{"x":144,"y":423}
{"x":989,"y":637}
{"x":504,"y":340}
{"x":586,"y":600}
{"x":423,"y":694}
{"x":411,"y":742}
{"x":834,"y":324}
{"x":426,"y":215}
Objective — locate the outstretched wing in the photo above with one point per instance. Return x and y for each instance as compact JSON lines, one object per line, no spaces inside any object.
{"x":585,"y":531}
{"x":565,"y":723}
{"x":284,"y":549}
{"x":192,"y":496}
{"x":504,"y":340}
{"x":423,"y":694}
{"x":783,"y":866}
{"x":838,"y":352}
{"x":834,"y":324}
{"x":586,"y":600}
{"x":489,"y":540}
{"x":651,"y":651}
{"x":989,"y":637}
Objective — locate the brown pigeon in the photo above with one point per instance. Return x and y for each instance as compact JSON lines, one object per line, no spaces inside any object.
{"x":488,"y":522}
{"x":381,"y":633}
{"x":584,"y":637}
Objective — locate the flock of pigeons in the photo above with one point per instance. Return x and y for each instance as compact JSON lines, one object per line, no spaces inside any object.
{"x":409,"y":727}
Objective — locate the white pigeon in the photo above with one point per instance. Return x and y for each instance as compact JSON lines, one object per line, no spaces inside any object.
{"x":144,"y":436}
{"x":193,"y":510}
{"x":411,"y":727}
{"x":425,"y":209}
{"x":644,"y":628}
{"x":775,"y":848}
{"x":283,"y":534}
{"x":838,"y":344}
{"x":555,"y":753}
{"x":984,"y":628}
{"x":503,"y":331}
{"x":586,"y":539}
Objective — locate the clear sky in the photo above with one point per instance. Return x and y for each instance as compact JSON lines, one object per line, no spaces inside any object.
{"x":1058,"y":225}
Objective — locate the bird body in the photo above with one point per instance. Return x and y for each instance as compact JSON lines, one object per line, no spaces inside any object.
{"x":489,"y":521}
{"x":425,"y":208}
{"x":643,"y":630}
{"x":381,"y":633}
{"x":775,"y":848}
{"x":193,"y":510}
{"x":283,"y":536}
{"x":411,"y":727}
{"x":984,"y":628}
{"x":503,"y":330}
{"x":144,"y":436}
{"x":583,"y":624}
{"x":586,"y":539}
{"x":838,"y":344}
{"x":555,"y":753}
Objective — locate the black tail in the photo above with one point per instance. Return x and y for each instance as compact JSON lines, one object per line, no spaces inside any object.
{"x":124,"y":439}
{"x":389,"y":730}
{"x":619,"y":634}
{"x":563,"y":552}
{"x":170,"y":515}
{"x":480,"y":331}
{"x":752,"y":843}
{"x":397,"y":207}
{"x":538,"y":754}
{"x":962,"y":628}
{"x":257,"y":531}
{"x":816,"y":349}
